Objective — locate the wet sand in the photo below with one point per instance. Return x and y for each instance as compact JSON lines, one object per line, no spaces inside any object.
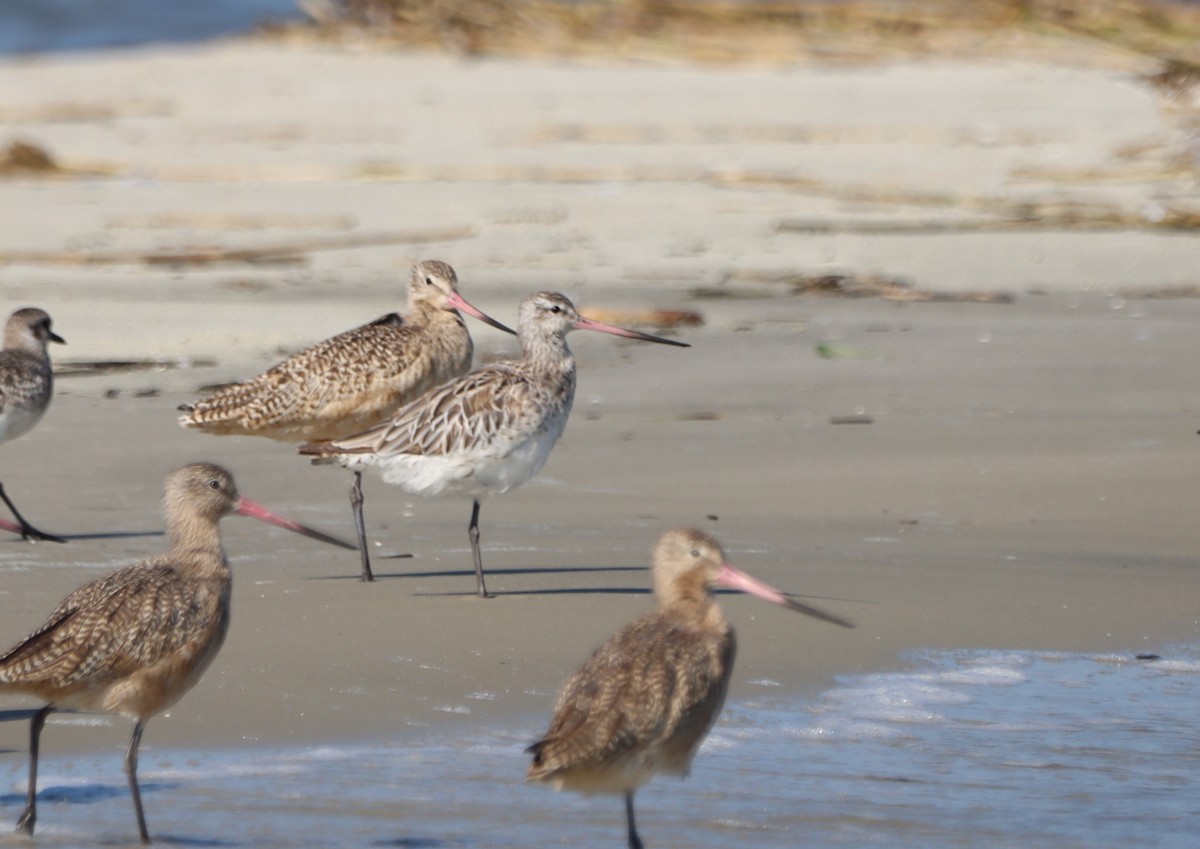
{"x":1014,"y":475}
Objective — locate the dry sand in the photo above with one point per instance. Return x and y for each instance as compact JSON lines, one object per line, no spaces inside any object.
{"x":1023,"y":477}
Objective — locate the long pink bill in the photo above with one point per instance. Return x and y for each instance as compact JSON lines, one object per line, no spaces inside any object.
{"x":246,"y":507}
{"x":738,"y":580}
{"x":460,"y":303}
{"x":6,"y":525}
{"x":592,"y":324}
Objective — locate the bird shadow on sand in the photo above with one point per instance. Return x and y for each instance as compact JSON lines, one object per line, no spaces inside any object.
{"x":467,"y":574}
{"x":17,"y":715}
{"x":470,"y":573}
{"x":182,"y":840}
{"x":104,"y":535}
{"x":556,"y":591}
{"x":89,"y":794}
{"x":418,"y":843}
{"x":116,"y":535}
{"x":85,"y":794}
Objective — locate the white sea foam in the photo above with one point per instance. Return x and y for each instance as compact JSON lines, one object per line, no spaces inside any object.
{"x":974,"y":749}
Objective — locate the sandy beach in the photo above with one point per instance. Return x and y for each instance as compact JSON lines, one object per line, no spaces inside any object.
{"x":1012,"y":473}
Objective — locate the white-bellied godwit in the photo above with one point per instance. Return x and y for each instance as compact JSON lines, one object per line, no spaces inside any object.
{"x":488,"y":431}
{"x":644,"y":701}
{"x":26,"y":386}
{"x":132,"y":643}
{"x":354,"y":380}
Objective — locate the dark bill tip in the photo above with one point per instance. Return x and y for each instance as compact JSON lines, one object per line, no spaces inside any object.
{"x":460,"y":303}
{"x":601,"y":327}
{"x":816,"y":612}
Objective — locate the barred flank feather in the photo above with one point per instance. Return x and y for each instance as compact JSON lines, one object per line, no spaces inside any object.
{"x":351,"y":381}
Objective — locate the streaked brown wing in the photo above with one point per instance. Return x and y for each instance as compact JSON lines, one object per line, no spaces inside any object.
{"x":21,"y":379}
{"x":109,"y":628}
{"x":480,"y":408}
{"x":342,"y":368}
{"x":632,"y":692}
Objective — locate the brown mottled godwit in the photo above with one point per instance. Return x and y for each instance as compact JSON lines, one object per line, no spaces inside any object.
{"x":488,"y":431}
{"x":644,"y":701}
{"x":354,"y":380}
{"x":26,"y":386}
{"x":133,"y":642}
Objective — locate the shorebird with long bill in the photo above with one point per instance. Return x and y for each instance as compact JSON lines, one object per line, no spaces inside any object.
{"x":355,"y":379}
{"x":26,"y":387}
{"x":488,"y":431}
{"x":646,"y":698}
{"x":134,"y":642}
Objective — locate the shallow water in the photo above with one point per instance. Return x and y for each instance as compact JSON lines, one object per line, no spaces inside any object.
{"x":984,"y":749}
{"x":57,"y":25}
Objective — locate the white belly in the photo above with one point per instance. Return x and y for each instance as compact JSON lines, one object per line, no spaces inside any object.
{"x":16,"y":421}
{"x":488,"y":470}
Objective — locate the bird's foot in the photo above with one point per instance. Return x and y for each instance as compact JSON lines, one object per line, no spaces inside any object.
{"x":32,"y":534}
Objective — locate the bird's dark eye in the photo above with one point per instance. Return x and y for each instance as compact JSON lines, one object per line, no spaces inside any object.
{"x":556,"y":308}
{"x":695,"y":552}
{"x":428,"y":281}
{"x":214,"y":484}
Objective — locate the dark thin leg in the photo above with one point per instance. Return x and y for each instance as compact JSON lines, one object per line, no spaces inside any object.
{"x":131,"y":771}
{"x":473,"y":533}
{"x":635,"y":842}
{"x":356,"y":500}
{"x":28,"y":818}
{"x":28,"y":531}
